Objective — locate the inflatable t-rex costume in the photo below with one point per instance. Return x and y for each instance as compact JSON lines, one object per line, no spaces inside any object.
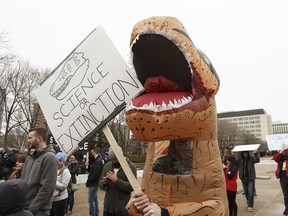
{"x":178,"y":105}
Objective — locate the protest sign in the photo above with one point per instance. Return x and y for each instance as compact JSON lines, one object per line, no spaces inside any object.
{"x":249,"y":147}
{"x":90,"y":87}
{"x":277,"y":142}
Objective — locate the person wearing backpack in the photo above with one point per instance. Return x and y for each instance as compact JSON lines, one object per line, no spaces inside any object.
{"x":231,"y":175}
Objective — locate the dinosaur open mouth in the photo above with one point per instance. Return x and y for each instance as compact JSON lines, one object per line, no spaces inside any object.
{"x":163,"y":68}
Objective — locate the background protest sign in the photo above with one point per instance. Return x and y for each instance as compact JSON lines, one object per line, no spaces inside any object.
{"x":277,"y":142}
{"x":90,"y":87}
{"x":249,"y":147}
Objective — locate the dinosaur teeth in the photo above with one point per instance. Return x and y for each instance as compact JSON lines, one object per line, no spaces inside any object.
{"x":152,"y":106}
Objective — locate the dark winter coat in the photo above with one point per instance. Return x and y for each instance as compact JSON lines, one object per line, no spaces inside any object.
{"x":95,"y":172}
{"x":73,"y":168}
{"x":117,"y":193}
{"x":9,"y":161}
{"x":251,"y":166}
{"x":13,"y":197}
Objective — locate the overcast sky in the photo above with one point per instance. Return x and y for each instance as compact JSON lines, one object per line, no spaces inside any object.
{"x":247,"y":40}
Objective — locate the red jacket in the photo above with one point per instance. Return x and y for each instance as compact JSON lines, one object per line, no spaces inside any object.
{"x":231,"y":184}
{"x":277,"y":158}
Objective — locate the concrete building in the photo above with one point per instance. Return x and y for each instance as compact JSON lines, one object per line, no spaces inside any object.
{"x":255,"y":121}
{"x":279,"y":128}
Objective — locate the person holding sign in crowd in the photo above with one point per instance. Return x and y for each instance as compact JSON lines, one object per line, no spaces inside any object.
{"x":247,"y":174}
{"x":116,"y":185}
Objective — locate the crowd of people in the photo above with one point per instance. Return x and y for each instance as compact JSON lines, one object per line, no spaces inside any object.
{"x":244,"y":168}
{"x":43,"y":182}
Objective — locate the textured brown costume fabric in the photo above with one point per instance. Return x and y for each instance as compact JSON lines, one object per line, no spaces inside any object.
{"x":202,"y":192}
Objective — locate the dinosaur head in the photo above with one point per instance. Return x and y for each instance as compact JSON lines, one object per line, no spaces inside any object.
{"x":179,"y":80}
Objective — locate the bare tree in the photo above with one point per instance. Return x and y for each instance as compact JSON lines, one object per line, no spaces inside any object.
{"x":6,"y":57}
{"x":228,"y":134}
{"x":26,"y":99}
{"x":19,"y":81}
{"x":120,"y":131}
{"x":6,"y":54}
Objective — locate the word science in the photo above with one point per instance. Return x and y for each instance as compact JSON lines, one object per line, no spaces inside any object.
{"x":90,"y":86}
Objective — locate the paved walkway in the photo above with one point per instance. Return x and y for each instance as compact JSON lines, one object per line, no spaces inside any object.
{"x":268,"y":202}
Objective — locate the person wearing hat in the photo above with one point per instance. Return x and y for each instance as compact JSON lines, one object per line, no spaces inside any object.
{"x":231,"y":175}
{"x":247,"y":174}
{"x":13,"y":197}
{"x":60,"y":195}
{"x":40,"y":173}
{"x":9,"y":163}
{"x":116,"y":185}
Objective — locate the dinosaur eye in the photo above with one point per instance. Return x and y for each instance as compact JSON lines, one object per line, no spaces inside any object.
{"x":207,"y":61}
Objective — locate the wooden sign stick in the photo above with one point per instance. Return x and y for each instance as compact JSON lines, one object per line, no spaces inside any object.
{"x":122,"y":160}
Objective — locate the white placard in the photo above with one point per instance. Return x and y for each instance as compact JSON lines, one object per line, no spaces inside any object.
{"x":277,"y":142}
{"x":90,"y":87}
{"x":249,"y":147}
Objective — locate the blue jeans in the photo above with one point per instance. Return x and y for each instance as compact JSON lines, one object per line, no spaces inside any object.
{"x":284,"y":186}
{"x":93,"y":201}
{"x":70,"y":203}
{"x":248,"y":187}
{"x":58,"y":207}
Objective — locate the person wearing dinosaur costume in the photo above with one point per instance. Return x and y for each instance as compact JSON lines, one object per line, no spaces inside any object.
{"x":177,"y":106}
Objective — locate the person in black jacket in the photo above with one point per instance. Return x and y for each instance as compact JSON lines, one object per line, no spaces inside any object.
{"x":93,"y":181}
{"x":9,"y":163}
{"x":13,"y":198}
{"x":247,"y":175}
{"x":73,"y":168}
{"x":1,"y":168}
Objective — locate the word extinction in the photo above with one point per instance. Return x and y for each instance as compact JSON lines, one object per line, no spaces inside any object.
{"x":90,"y":103}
